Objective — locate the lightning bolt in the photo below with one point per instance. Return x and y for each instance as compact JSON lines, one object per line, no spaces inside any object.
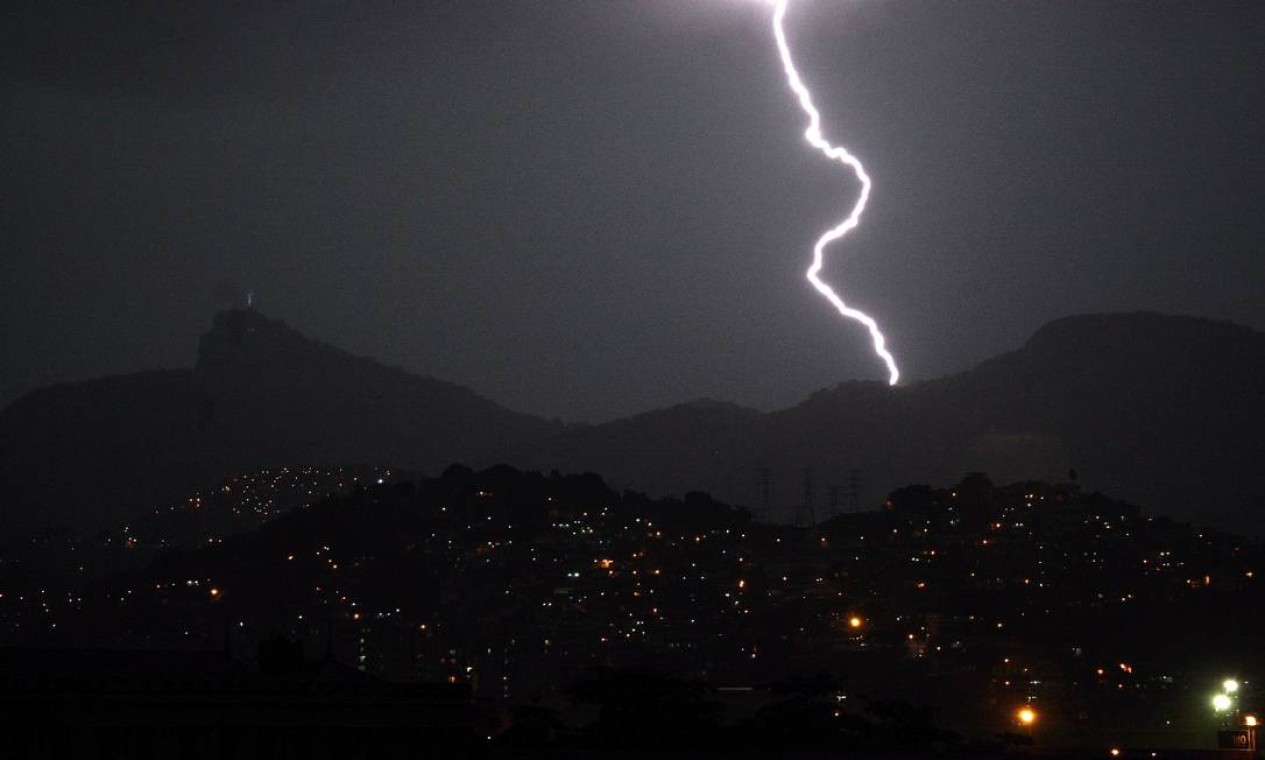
{"x":835,"y":153}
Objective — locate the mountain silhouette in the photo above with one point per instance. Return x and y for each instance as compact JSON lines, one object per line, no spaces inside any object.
{"x":261,"y":395}
{"x":1162,"y":410}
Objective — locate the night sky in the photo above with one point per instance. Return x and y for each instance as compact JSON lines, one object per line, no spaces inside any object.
{"x":586,"y":209}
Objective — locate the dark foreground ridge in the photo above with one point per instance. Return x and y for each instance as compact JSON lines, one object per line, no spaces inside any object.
{"x":96,"y":703}
{"x":574,"y":616}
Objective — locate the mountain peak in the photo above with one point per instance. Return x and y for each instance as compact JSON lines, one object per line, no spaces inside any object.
{"x":244,"y":336}
{"x":261,"y":395}
{"x":1134,"y":327}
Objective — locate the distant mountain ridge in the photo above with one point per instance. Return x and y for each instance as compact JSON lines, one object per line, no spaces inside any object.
{"x":1163,"y":410}
{"x":1159,"y":409}
{"x":261,"y":395}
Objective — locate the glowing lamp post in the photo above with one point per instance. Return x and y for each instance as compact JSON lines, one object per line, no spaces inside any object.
{"x":1026,"y":717}
{"x":1225,"y":703}
{"x":1232,"y":733}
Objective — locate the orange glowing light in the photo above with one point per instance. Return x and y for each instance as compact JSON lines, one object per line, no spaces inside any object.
{"x":1027,"y":716}
{"x":854,"y":622}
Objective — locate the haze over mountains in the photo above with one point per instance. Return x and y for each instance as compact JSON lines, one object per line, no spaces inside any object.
{"x":1162,"y":410}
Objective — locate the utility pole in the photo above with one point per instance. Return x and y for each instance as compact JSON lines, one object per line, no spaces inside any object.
{"x":854,"y":487}
{"x":765,"y":500}
{"x":804,"y":515}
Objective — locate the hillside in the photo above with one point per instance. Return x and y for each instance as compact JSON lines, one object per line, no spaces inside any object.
{"x":970,"y":600}
{"x":1156,"y":409}
{"x":261,"y":395}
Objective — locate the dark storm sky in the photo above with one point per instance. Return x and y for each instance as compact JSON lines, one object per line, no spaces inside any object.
{"x":589,"y":208}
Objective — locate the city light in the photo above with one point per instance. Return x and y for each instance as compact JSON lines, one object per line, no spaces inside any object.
{"x":609,"y":593}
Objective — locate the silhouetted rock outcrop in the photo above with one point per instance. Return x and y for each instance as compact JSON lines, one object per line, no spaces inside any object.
{"x":269,"y":395}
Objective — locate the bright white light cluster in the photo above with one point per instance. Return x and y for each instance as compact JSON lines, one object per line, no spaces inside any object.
{"x":813,"y":135}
